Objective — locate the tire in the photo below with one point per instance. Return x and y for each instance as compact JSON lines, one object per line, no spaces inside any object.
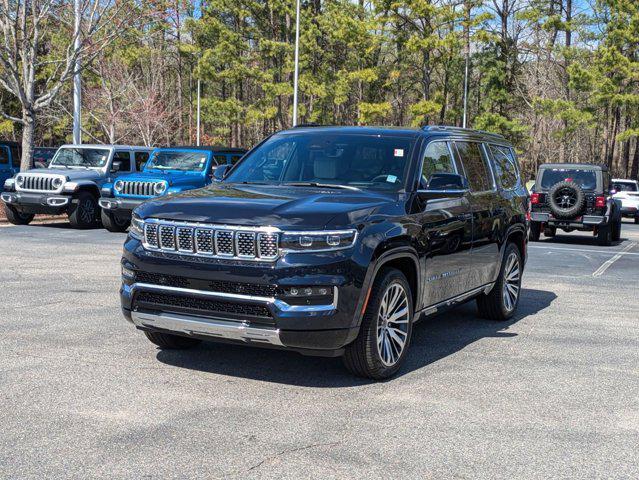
{"x":566,"y":199}
{"x":113,"y":223}
{"x":604,"y":235}
{"x":636,"y":220}
{"x":84,"y":214}
{"x":550,"y":232}
{"x":535,"y":231}
{"x":616,"y":230}
{"x":374,"y":353}
{"x":502,"y":301}
{"x":171,"y":342}
{"x":17,"y":218}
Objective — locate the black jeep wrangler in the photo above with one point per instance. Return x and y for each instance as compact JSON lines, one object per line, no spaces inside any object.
{"x":573,"y":196}
{"x":332,"y":241}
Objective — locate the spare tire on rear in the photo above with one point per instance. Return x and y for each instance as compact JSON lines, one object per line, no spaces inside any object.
{"x":566,"y":199}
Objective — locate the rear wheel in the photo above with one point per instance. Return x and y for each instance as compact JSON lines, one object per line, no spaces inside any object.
{"x":16,"y":217}
{"x":84,"y":214}
{"x":550,"y":232}
{"x":604,"y":235}
{"x":616,"y":230}
{"x":171,"y":342}
{"x":636,"y":220}
{"x":113,"y":223}
{"x":501,"y":302}
{"x":385,"y":332}
{"x":535,"y":231}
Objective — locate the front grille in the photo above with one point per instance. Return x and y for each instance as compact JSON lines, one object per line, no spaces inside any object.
{"x":220,"y":286}
{"x":39,"y":183}
{"x":164,"y":302}
{"x":140,"y":189}
{"x":213,"y":241}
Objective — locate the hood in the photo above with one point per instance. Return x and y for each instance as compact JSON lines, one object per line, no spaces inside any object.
{"x":73,"y":174}
{"x":262,"y":205}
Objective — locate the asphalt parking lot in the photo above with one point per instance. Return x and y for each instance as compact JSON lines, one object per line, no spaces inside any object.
{"x":552,"y":394}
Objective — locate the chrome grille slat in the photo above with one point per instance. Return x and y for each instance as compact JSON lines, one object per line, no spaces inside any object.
{"x":211,"y":240}
{"x":40,"y":182}
{"x":139,"y":189}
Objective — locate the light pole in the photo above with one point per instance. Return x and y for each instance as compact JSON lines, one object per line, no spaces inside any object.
{"x":77,"y":79}
{"x":197,"y":135}
{"x":297,"y":62}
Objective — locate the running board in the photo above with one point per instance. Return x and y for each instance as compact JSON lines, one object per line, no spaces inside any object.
{"x":458,"y":299}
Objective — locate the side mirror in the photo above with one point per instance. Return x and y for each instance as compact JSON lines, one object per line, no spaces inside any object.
{"x":445,"y":185}
{"x":116,"y":165}
{"x":220,"y":171}
{"x":613,"y":191}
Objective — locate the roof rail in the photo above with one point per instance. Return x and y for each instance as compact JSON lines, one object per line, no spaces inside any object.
{"x":307,"y":125}
{"x":449,"y":128}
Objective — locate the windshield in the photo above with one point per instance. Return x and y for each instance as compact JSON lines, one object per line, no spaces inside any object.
{"x":80,"y":158}
{"x":321,"y":159}
{"x":174,"y":160}
{"x":586,"y":179}
{"x":625,"y":186}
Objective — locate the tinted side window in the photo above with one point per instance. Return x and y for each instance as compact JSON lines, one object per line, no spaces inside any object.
{"x":125,"y":159}
{"x":475,"y":166}
{"x":16,"y":156}
{"x":235,"y":159}
{"x":4,"y":155}
{"x":219,"y":159}
{"x":505,"y":166}
{"x":437,"y":159}
{"x":140,"y":159}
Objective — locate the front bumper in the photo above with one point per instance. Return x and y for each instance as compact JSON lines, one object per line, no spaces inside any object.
{"x":49,"y":203}
{"x":311,"y":329}
{"x":121,"y":206}
{"x":579,"y":222}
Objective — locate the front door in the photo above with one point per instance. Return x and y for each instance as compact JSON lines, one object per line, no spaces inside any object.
{"x":483,"y":198}
{"x":446,"y":232}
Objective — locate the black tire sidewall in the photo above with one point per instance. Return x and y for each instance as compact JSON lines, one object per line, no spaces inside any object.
{"x":17,"y":218}
{"x":75,"y":216}
{"x":110,"y":222}
{"x":563,"y":212}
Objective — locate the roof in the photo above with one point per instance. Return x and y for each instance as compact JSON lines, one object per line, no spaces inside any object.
{"x":10,"y":143}
{"x":624,"y":180}
{"x":100,"y":145}
{"x":574,"y":165}
{"x":411,"y":131}
{"x":208,"y":148}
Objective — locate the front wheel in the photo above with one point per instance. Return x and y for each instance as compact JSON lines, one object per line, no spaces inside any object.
{"x":171,"y":342}
{"x":114,"y":223}
{"x":17,"y":218}
{"x":385,"y":332}
{"x":637,"y":220}
{"x":85,"y":213}
{"x":501,"y":302}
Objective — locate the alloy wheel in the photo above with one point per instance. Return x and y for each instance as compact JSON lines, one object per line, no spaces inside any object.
{"x":512,"y":282}
{"x":392,"y":324}
{"x":87,"y":211}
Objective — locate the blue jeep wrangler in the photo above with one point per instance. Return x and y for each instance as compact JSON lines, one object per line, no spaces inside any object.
{"x":168,"y":171}
{"x":10,"y":155}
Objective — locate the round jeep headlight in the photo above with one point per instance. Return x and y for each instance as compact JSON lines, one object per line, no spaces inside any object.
{"x":159,"y":188}
{"x":119,"y":185}
{"x":57,"y":183}
{"x":19,"y":180}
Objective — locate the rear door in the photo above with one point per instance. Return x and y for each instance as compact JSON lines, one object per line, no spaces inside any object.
{"x":446,"y":231}
{"x":6,"y":170}
{"x":483,"y":199}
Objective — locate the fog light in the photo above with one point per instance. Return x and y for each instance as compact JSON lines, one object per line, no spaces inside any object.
{"x":128,"y":273}
{"x":293,"y":291}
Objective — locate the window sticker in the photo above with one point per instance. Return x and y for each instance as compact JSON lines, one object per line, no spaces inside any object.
{"x":391,"y":178}
{"x":398,"y":152}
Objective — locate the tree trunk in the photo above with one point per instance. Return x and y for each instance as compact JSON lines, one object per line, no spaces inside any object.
{"x":634,"y":171}
{"x":28,"y":132}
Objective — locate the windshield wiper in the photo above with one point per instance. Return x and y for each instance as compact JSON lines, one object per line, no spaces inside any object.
{"x":320,"y":185}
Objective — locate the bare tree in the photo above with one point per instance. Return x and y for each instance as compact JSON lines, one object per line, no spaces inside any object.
{"x":32,"y":76}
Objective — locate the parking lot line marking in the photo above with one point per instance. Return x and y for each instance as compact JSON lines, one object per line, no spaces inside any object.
{"x":600,"y":271}
{"x":577,"y":250}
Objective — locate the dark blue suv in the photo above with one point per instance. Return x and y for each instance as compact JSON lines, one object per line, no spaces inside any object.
{"x":332,"y":241}
{"x":167,"y":171}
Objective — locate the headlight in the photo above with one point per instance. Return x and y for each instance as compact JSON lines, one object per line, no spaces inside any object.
{"x":159,"y":188}
{"x":119,"y":185}
{"x":137,"y":227}
{"x":19,"y":180}
{"x":57,"y":183}
{"x":318,"y":241}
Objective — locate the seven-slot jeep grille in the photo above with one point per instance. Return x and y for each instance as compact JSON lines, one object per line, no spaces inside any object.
{"x":141,"y":189}
{"x":211,"y":241}
{"x":38,"y":183}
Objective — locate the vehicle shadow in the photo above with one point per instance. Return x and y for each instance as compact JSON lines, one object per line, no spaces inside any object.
{"x":586,"y":240}
{"x":434,"y":338}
